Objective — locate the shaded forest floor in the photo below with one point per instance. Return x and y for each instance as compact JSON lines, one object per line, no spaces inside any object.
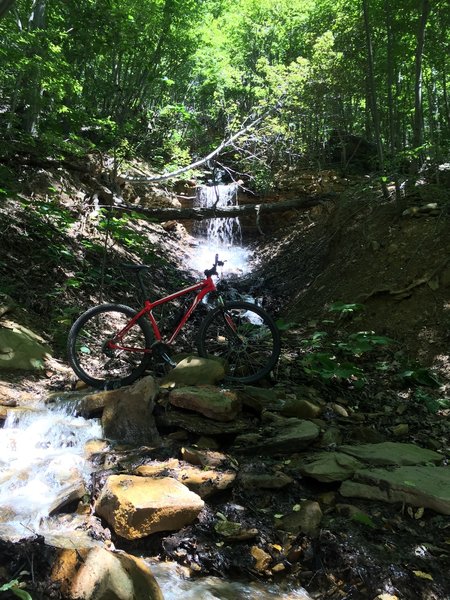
{"x":350,"y":265}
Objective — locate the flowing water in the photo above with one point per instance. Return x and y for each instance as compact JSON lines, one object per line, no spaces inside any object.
{"x":219,"y":236}
{"x":43,"y":464}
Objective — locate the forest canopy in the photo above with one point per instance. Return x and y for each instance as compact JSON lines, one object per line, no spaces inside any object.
{"x":170,"y":79}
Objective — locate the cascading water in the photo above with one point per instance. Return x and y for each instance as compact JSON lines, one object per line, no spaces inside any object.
{"x":219,"y":236}
{"x":42,"y":465}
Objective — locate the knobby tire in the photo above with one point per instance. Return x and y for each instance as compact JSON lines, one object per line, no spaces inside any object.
{"x":244,"y":337}
{"x":88,"y":356}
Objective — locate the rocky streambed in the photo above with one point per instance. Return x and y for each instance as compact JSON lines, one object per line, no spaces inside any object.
{"x":278,"y":485}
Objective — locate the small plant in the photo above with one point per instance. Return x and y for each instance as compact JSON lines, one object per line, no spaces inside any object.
{"x":420,"y":376}
{"x":16,"y":587}
{"x":432,"y":404}
{"x":346,"y":308}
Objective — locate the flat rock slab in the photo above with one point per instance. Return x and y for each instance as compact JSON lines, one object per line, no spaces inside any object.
{"x":139,"y":506}
{"x":330,"y":466}
{"x":392,"y":453}
{"x":416,"y":485}
{"x":211,"y":402}
{"x":285,"y":437}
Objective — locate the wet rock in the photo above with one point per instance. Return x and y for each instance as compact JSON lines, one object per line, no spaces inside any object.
{"x":281,"y":437}
{"x":21,"y":348}
{"x":204,"y":482}
{"x":330,"y":466}
{"x":305,"y":520}
{"x":427,"y":487}
{"x":128,"y":415}
{"x":195,"y":370}
{"x":392,"y":453}
{"x":97,"y":574}
{"x":139,"y":506}
{"x":211,"y":402}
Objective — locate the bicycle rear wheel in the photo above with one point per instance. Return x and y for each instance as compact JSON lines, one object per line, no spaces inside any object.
{"x":93,"y":361}
{"x":244,"y":336}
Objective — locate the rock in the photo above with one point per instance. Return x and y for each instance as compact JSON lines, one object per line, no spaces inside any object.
{"x":97,"y":574}
{"x":211,"y":402}
{"x":331,"y":437}
{"x":262,"y":559}
{"x":128,"y":414}
{"x":204,"y":482}
{"x":194,"y":370}
{"x":400,"y":430}
{"x":259,"y":399}
{"x":330,"y":466}
{"x":392,"y":453}
{"x":234,"y":532}
{"x":301,"y":408}
{"x":21,"y":348}
{"x":428,"y":487}
{"x":200,"y":425}
{"x":305,"y":520}
{"x":284,"y":436}
{"x":8,"y":395}
{"x":270,"y":481}
{"x":205,"y":458}
{"x":139,"y":506}
{"x":339,"y":410}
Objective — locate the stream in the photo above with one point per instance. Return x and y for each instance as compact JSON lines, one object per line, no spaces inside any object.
{"x":44,"y":462}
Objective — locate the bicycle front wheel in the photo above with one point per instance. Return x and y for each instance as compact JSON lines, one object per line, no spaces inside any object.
{"x":89,"y":346}
{"x":244,"y":336}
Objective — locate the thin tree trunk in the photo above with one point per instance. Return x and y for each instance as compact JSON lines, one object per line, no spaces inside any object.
{"x":393,"y":141}
{"x":418,"y":109}
{"x":34,"y":92}
{"x":373,"y":96}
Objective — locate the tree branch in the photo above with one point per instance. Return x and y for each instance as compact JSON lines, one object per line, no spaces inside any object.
{"x":218,"y":150}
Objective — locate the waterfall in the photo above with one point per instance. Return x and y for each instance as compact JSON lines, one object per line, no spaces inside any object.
{"x":219,"y":236}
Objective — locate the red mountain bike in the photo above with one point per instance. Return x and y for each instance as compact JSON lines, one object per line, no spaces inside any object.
{"x":111,"y":345}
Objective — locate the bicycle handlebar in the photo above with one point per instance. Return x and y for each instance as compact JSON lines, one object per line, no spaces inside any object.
{"x":213,"y":271}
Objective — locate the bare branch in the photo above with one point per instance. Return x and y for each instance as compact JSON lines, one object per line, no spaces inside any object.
{"x":218,"y":150}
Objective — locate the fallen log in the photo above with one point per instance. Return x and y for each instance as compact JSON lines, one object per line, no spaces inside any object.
{"x":159,"y":215}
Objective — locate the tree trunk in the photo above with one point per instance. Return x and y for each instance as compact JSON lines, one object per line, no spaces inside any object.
{"x":418,"y":110}
{"x":373,"y":96}
{"x":33,"y":92}
{"x":198,"y":214}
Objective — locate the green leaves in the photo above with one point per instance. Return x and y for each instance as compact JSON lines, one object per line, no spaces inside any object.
{"x":15,"y":587}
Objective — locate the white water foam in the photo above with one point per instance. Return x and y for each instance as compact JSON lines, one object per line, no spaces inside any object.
{"x":42,"y":460}
{"x":219,"y":236}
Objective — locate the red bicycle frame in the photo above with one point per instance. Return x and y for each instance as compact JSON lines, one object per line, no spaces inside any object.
{"x":203,"y":288}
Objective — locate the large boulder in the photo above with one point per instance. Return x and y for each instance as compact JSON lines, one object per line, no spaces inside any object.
{"x":97,"y":574}
{"x":128,"y":413}
{"x":139,"y":506}
{"x":21,"y":348}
